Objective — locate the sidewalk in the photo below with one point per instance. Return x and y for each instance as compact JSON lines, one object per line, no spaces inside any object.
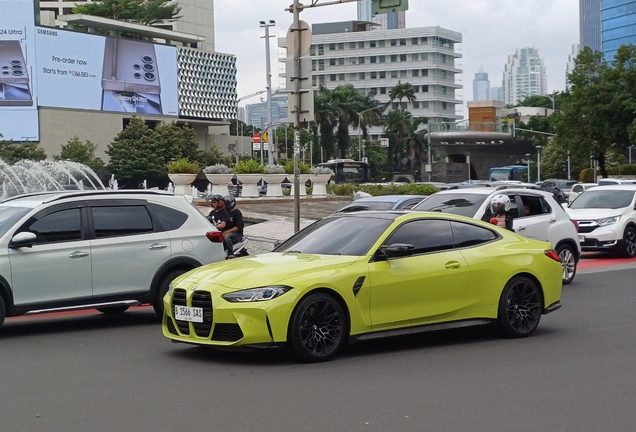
{"x":271,"y":220}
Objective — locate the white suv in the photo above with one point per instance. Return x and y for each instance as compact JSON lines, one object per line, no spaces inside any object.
{"x":536,"y":214}
{"x":107,"y":250}
{"x":606,"y":216}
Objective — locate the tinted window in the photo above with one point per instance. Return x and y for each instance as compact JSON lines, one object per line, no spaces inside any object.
{"x":465,"y":204}
{"x":9,"y":215}
{"x":120,"y":221}
{"x":169,"y":218}
{"x":600,"y":198}
{"x":409,"y":203}
{"x":534,"y":205}
{"x":577,"y":188}
{"x":64,"y":225}
{"x":369,"y":205}
{"x":347,"y":235}
{"x":424,"y":235}
{"x":466,"y":235}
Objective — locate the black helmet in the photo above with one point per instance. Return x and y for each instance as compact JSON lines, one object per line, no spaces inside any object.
{"x":217,"y":198}
{"x":230,"y":201}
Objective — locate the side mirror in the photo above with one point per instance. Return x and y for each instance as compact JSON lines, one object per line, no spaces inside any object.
{"x":396,"y":250}
{"x":23,"y":239}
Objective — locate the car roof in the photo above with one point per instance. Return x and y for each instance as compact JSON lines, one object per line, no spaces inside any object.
{"x":491,"y":191}
{"x":389,"y":198}
{"x":408,"y":214}
{"x":37,"y":198}
{"x":616,"y":187}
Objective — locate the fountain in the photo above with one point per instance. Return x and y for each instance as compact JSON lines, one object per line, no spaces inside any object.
{"x":28,"y":176}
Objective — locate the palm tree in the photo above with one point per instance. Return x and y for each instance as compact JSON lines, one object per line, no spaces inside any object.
{"x":345,"y":101}
{"x":396,"y":126}
{"x":401,"y":91}
{"x":325,"y":119}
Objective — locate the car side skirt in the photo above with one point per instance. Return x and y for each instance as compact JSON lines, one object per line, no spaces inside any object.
{"x":421,"y":329}
{"x":554,"y":306}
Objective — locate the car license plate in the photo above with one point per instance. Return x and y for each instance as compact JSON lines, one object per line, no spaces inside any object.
{"x":186,"y":313}
{"x":581,"y":238}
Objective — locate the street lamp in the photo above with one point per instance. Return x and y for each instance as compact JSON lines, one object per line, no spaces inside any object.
{"x":538,"y":163}
{"x":528,"y":165}
{"x":237,"y":116}
{"x":360,"y":153}
{"x":266,"y":26}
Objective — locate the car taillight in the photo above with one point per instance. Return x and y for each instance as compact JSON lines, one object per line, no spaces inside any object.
{"x":576,"y":224}
{"x":552,"y":254}
{"x":215,"y":236}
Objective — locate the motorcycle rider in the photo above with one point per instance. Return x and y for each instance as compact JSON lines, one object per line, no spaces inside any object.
{"x":500,"y":212}
{"x":234,"y":231}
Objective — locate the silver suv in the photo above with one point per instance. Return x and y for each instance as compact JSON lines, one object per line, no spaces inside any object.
{"x":536,"y":214}
{"x":107,"y":250}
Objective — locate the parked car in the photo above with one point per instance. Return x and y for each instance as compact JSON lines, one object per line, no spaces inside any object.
{"x":262,"y":190}
{"x":606,"y":219}
{"x":100,"y":249}
{"x":615,"y":181}
{"x":535,"y":214}
{"x":367,"y":275}
{"x":383,"y":202}
{"x":578,"y":189}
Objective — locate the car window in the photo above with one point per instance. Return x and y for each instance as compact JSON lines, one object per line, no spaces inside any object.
{"x":409,"y":203}
{"x":61,"y":226}
{"x":121,"y":220}
{"x":169,"y":218}
{"x":368,"y":205}
{"x":465,"y":204}
{"x":425,"y":235}
{"x":467,"y":235}
{"x":345,"y":235}
{"x":603,"y":198}
{"x":9,"y":215}
{"x":535,"y":205}
{"x":577,"y":188}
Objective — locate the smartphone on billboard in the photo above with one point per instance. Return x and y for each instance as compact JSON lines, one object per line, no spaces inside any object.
{"x":130,"y":67}
{"x":14,"y":77}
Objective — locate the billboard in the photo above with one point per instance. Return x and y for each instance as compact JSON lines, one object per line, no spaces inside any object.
{"x":84,"y":71}
{"x":18,"y":100}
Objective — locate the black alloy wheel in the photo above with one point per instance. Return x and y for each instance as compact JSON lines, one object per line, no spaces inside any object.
{"x":629,"y":242}
{"x":520,"y":307}
{"x":317,"y":329}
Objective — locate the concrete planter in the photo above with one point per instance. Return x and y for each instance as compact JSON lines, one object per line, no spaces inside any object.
{"x":273,"y":184}
{"x":182,"y":183}
{"x":250,"y":184}
{"x":219,"y":183}
{"x":319,"y":184}
{"x":303,"y":180}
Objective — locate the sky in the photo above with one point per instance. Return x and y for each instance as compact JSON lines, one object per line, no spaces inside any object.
{"x":491,"y":30}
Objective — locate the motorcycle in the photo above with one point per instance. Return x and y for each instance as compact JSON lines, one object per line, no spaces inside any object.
{"x":239,"y":249}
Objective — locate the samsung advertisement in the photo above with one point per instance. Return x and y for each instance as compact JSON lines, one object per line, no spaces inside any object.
{"x":18,"y":106}
{"x":51,"y":67}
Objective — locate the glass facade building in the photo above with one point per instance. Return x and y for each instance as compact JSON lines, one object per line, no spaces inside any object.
{"x":618,"y":23}
{"x":590,"y":24}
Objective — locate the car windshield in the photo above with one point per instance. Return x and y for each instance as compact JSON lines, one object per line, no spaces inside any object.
{"x":605,"y":199}
{"x":366,"y":205}
{"x":346,"y":235}
{"x":9,"y":215}
{"x":566,"y":185}
{"x":465,"y":204}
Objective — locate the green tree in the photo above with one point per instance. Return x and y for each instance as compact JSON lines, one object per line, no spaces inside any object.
{"x":77,"y":151}
{"x":325,"y":120}
{"x":176,"y":142}
{"x":213,"y":156}
{"x":244,"y":129}
{"x":133,"y":154}
{"x":146,"y":12}
{"x":401,"y":91}
{"x":11,"y":152}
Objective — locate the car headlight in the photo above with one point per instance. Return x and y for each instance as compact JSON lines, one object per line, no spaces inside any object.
{"x":608,"y":221}
{"x":256,"y":294}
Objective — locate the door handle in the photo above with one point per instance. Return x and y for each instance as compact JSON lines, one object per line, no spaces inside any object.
{"x":453,"y":265}
{"x":521,"y":228}
{"x":78,"y":254}
{"x":552,"y":220}
{"x":157,"y":246}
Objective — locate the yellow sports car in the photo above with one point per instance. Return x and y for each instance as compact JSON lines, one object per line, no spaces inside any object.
{"x":366,"y":275}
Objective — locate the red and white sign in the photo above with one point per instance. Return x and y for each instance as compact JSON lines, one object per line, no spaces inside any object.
{"x":256,"y":139}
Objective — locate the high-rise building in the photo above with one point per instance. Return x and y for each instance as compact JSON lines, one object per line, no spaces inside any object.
{"x":496,"y":93}
{"x":375,"y":61}
{"x":524,"y":75}
{"x":481,"y":86}
{"x":256,"y":114}
{"x":197,"y":17}
{"x":618,"y":25}
{"x":590,"y":24}
{"x":390,"y":21}
{"x":576,"y":49}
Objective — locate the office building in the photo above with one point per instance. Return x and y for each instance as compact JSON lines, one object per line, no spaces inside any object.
{"x":576,"y":49}
{"x":256,"y":114}
{"x":524,"y":75}
{"x":481,"y":86}
{"x":496,"y":93}
{"x":590,"y":24}
{"x":390,"y":21}
{"x":375,"y":61}
{"x":618,"y":26}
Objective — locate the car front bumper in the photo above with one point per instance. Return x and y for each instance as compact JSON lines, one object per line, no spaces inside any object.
{"x":607,"y":238}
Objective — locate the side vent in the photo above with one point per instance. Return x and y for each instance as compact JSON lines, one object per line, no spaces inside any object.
{"x":358,"y":285}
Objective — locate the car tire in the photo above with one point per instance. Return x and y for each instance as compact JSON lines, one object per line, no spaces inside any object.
{"x":162,"y":290}
{"x":3,"y":311}
{"x":113,"y":310}
{"x":317,"y":328}
{"x":520,"y":307}
{"x":568,"y":262}
{"x":629,"y":242}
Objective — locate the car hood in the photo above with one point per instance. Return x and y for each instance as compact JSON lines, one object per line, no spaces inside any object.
{"x":593,"y":214}
{"x":266,"y":269}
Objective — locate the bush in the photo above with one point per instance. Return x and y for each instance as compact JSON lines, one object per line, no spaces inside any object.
{"x":344,"y":189}
{"x":628,"y":169}
{"x":217,"y":169}
{"x":587,"y":175}
{"x":274,"y":169}
{"x":183,"y":166}
{"x":321,"y":170}
{"x":347,"y":189}
{"x":302,"y":167}
{"x":249,"y":166}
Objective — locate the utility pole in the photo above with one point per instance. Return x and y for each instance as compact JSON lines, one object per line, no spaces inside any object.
{"x":268,"y":71}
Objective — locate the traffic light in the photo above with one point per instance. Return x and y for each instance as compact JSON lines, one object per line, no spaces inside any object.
{"x":387,"y":6}
{"x":564,"y":166}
